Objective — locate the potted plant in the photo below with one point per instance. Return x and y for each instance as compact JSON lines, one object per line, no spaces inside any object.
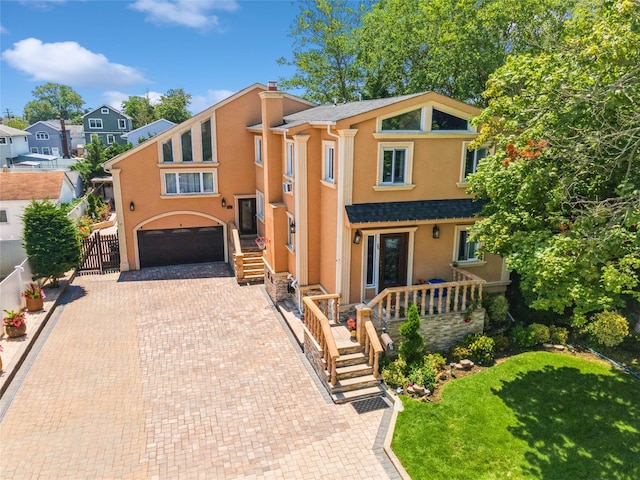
{"x":34,"y":296}
{"x":14,"y":323}
{"x":352,"y":325}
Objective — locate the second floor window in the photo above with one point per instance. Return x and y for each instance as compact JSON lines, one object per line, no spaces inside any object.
{"x":167,"y":151}
{"x":95,"y":123}
{"x":329,"y":164}
{"x":42,"y":136}
{"x":207,"y":141}
{"x":288,"y":168}
{"x":187,"y":152}
{"x":122,"y":124}
{"x":259,"y":150}
{"x":394,"y":165}
{"x":472,"y":158}
{"x":183,"y":183}
{"x":260,"y":205}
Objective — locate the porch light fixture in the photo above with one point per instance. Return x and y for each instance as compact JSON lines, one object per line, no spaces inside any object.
{"x":436,"y":231}
{"x":132,"y":206}
{"x":292,"y":228}
{"x":224,"y":203}
{"x":357,"y":237}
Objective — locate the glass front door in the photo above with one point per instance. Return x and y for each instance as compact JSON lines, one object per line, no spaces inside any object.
{"x":393,"y":260}
{"x":247,"y":216}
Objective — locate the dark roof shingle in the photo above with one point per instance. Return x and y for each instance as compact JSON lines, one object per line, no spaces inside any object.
{"x":414,"y":210}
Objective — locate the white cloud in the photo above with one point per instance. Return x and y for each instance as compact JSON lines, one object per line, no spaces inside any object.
{"x":70,"y":64}
{"x":200,"y":103}
{"x":114,"y":98}
{"x":42,"y":4}
{"x":188,"y":13}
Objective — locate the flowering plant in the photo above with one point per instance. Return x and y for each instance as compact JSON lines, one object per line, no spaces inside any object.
{"x":34,"y":291}
{"x":14,"y":319}
{"x":351,"y":324}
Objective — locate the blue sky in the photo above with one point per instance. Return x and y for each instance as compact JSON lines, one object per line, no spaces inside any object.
{"x":108,"y":50}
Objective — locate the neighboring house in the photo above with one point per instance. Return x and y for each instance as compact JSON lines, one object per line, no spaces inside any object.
{"x":13,"y":143}
{"x":353,"y":198}
{"x":47,"y":138}
{"x":77,"y":140}
{"x":134,"y":137}
{"x":108,"y":123}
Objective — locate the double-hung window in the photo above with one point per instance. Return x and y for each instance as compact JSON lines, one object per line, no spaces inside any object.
{"x":3,"y":216}
{"x":288,"y":168}
{"x":394,"y":165}
{"x":122,"y":124}
{"x":110,"y":138}
{"x":95,"y":123}
{"x":185,"y":183}
{"x":468,"y":251}
{"x":258,"y":146}
{"x":260,"y":205}
{"x":42,"y":136}
{"x":329,"y":163}
{"x":472,"y":158}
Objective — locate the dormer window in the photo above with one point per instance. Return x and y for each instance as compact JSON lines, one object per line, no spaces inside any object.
{"x":104,"y":111}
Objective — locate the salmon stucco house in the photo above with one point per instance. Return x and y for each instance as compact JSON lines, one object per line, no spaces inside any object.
{"x":365,"y":202}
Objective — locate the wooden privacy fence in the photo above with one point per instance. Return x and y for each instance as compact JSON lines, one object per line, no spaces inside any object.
{"x":100,"y":254}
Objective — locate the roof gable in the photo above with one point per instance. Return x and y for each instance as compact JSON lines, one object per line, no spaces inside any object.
{"x":6,"y":131}
{"x":113,"y":110}
{"x":31,"y":185}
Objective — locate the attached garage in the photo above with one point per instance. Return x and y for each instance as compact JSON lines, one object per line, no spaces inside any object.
{"x":177,"y":246}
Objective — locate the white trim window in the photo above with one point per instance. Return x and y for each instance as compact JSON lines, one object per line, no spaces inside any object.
{"x":46,"y":151}
{"x":186,"y":145}
{"x":167,"y":151}
{"x":104,"y":111}
{"x":328,"y":162}
{"x":3,"y":140}
{"x":34,"y":149}
{"x":395,"y":164}
{"x":471,"y":158}
{"x":189,"y":183}
{"x":466,"y":251}
{"x":42,"y":135}
{"x":411,"y":121}
{"x":95,"y":123}
{"x":122,"y":123}
{"x":258,"y":149}
{"x":4,"y":218}
{"x":206,"y":140}
{"x":288,"y":165}
{"x":110,"y":138}
{"x":260,"y":205}
{"x":291,"y":231}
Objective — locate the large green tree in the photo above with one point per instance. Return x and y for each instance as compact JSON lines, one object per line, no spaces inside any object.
{"x":564,"y":183}
{"x":91,"y":165}
{"x":324,"y":51}
{"x":53,"y":101}
{"x":140,"y":110}
{"x":173,"y":106}
{"x":50,"y":239}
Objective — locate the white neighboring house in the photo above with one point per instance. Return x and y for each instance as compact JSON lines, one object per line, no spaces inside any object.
{"x":154,"y":128}
{"x":13,"y":143}
{"x":17,"y":189}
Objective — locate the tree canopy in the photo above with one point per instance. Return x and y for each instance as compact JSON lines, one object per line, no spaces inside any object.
{"x":564,"y":183}
{"x":140,"y":110}
{"x":173,"y":106}
{"x":54,"y":101}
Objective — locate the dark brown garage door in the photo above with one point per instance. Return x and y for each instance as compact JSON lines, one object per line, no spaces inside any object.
{"x":180,"y":245}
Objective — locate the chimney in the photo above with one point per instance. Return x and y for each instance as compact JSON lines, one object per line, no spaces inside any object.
{"x":65,"y":142}
{"x":272,"y":85}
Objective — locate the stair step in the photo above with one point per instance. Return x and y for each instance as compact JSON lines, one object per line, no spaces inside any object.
{"x":253,"y":271}
{"x":252,"y":254}
{"x":348,"y":349}
{"x":252,"y":278}
{"x":355,"y":383}
{"x":351,"y":359}
{"x":350,"y":396}
{"x":351,"y":371}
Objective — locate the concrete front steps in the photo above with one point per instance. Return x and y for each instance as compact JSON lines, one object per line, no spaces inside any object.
{"x":253,"y":267}
{"x":355,"y":380}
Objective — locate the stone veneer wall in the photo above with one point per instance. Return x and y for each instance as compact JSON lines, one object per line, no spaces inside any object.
{"x":313,"y":352}
{"x":276,"y":284}
{"x":441,"y":332}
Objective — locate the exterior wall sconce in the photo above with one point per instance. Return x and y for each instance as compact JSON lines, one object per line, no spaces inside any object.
{"x":132,"y":206}
{"x":224,"y":203}
{"x":357,"y":237}
{"x":436,"y":231}
{"x":292,"y":228}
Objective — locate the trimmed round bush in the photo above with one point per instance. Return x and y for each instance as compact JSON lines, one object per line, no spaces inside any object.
{"x":558,"y":335}
{"x":501,"y":343}
{"x":608,"y":328}
{"x":540,"y":333}
{"x":394,"y":374}
{"x":498,"y":309}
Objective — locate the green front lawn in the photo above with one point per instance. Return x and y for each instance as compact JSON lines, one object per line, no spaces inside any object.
{"x":538,"y":415}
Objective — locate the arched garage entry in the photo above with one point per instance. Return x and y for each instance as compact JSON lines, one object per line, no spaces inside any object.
{"x":180,"y":238}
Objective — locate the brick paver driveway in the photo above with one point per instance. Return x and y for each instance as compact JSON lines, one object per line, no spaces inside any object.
{"x":158,"y":374}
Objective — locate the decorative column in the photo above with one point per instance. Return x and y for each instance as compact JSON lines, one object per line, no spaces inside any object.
{"x":301,"y":211}
{"x":120,"y":213}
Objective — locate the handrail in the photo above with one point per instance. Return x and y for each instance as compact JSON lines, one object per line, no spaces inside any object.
{"x":372,"y":346}
{"x":318,"y":325}
{"x":235,"y":236}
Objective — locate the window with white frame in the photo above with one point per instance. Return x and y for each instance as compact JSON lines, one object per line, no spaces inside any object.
{"x":110,"y":138}
{"x":46,"y":151}
{"x":122,"y":123}
{"x":167,"y":151}
{"x":185,"y":142}
{"x":288,"y":167}
{"x":258,"y":147}
{"x":291,"y":231}
{"x":3,"y":140}
{"x":441,"y":120}
{"x":472,"y":158}
{"x":42,"y":135}
{"x":405,"y":122}
{"x":34,"y":149}
{"x":466,"y":250}
{"x":186,"y":183}
{"x":95,"y":123}
{"x":372,"y":261}
{"x":206,"y":141}
{"x":104,"y":111}
{"x":328,"y":165}
{"x":3,"y":216}
{"x":260,"y":205}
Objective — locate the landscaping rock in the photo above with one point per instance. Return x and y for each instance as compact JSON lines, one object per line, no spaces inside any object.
{"x":559,"y":347}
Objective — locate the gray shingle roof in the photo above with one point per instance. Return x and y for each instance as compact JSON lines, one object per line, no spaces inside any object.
{"x":334,"y":113}
{"x":413,"y":211}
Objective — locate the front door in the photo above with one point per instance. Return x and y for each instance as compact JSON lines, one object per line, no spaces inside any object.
{"x":393,"y":260}
{"x":247,"y":216}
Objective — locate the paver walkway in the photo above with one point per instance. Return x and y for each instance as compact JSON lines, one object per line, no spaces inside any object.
{"x":160,"y":374}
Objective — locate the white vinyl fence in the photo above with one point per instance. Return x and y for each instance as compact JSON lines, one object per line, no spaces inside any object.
{"x":12,"y":287}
